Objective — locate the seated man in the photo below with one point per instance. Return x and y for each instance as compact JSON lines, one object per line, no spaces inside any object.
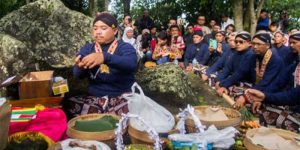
{"x":272,"y":114}
{"x":285,"y":80}
{"x":215,"y":53}
{"x":225,"y":58}
{"x":268,"y":65}
{"x":282,"y":50}
{"x":109,"y":65}
{"x":195,"y":51}
{"x":240,"y":68}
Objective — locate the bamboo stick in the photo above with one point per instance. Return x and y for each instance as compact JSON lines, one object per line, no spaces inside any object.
{"x":228,"y":99}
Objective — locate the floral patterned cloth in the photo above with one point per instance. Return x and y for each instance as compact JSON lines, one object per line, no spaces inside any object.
{"x":280,"y":117}
{"x":80,"y":105}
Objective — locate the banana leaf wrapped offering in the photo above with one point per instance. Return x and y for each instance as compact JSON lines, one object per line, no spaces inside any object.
{"x":97,"y":125}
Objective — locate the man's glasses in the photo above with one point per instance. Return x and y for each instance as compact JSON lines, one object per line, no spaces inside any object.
{"x":239,"y":42}
{"x":257,"y":44}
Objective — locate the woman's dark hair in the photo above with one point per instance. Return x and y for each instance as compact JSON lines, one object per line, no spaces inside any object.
{"x":275,"y":23}
{"x":126,"y":16}
{"x":230,"y":25}
{"x":146,"y":39}
{"x":264,"y":11}
{"x":174,"y":26}
{"x":163,"y":35}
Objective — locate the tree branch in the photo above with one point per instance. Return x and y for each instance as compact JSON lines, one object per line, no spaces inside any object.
{"x":259,"y":7}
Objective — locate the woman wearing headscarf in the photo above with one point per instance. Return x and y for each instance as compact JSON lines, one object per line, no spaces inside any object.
{"x":128,"y":36}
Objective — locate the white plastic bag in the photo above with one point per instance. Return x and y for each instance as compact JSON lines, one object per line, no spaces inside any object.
{"x":154,"y":115}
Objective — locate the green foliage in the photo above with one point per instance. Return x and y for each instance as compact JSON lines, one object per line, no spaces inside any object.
{"x":118,"y":9}
{"x":246,"y":114}
{"x":101,"y":5}
{"x":291,"y":6}
{"x":162,"y":10}
{"x":7,"y":6}
{"x":212,"y":9}
{"x":78,"y":5}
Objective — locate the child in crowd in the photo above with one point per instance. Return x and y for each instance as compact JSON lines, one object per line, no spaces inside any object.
{"x":162,"y":49}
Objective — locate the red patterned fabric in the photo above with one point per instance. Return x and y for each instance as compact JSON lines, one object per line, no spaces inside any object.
{"x":52,"y":122}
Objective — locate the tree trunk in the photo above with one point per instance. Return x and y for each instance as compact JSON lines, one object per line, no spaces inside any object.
{"x":247,"y":18}
{"x":254,"y":14}
{"x":93,"y":7}
{"x":238,"y":14}
{"x":126,"y":7}
{"x":253,"y":19}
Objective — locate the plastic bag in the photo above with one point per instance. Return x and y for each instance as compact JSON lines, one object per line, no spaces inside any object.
{"x":219,"y":138}
{"x":154,"y":115}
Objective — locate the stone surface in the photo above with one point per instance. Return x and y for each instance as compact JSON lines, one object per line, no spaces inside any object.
{"x":10,"y":49}
{"x":51,"y":32}
{"x":170,"y":86}
{"x":205,"y":94}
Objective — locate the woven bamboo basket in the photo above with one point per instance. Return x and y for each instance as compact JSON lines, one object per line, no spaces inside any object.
{"x":288,"y":135}
{"x":5,"y":113}
{"x":20,"y":134}
{"x":234,"y":119}
{"x":142,"y":137}
{"x":98,"y":136}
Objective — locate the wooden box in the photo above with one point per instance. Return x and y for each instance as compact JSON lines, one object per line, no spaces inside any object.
{"x":30,"y":89}
{"x":45,"y":101}
{"x":36,"y":85}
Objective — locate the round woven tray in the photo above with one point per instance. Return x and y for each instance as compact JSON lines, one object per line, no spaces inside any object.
{"x":98,"y":136}
{"x":234,"y":119}
{"x":142,"y":137}
{"x":288,"y":135}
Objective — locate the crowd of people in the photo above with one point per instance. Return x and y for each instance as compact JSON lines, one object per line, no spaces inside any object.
{"x":262,"y":71}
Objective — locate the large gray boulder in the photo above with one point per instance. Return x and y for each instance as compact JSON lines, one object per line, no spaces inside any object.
{"x":205,"y":94}
{"x":170,"y":86}
{"x":49,"y":30}
{"x":11,"y":49}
